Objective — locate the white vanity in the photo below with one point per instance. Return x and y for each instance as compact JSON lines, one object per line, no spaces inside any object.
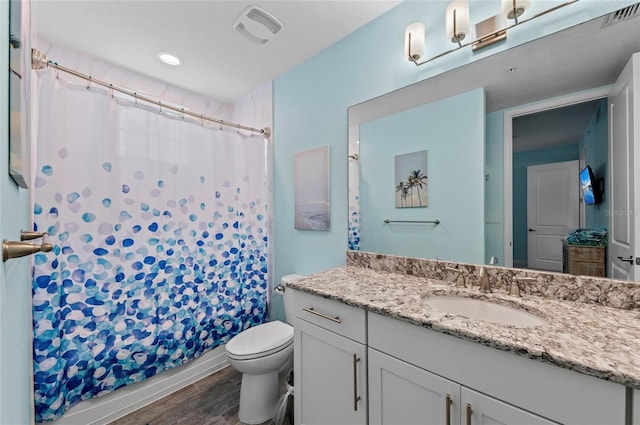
{"x":367,"y":350}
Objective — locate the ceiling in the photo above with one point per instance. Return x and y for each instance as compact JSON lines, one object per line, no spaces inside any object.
{"x":217,"y":61}
{"x":553,"y":127}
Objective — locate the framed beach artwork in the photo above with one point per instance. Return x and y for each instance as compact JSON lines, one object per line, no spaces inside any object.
{"x":311,"y":189}
{"x":411,"y":180}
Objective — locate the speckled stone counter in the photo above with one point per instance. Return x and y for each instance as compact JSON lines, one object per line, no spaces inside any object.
{"x":594,"y":339}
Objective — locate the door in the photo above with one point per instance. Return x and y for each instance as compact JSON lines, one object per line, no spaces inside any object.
{"x":479,"y":409}
{"x":16,"y":394}
{"x":624,"y":121}
{"x":331,"y":385}
{"x":553,"y":209}
{"x":400,"y":393}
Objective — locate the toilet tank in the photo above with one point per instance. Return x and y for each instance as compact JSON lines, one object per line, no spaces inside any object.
{"x":287,"y":298}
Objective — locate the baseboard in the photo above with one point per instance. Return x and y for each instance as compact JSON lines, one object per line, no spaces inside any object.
{"x":107,"y":408}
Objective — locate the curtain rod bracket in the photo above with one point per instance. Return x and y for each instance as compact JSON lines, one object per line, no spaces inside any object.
{"x":266,"y":132}
{"x":38,"y":60}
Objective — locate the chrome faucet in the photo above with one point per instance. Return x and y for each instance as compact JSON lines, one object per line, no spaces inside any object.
{"x":485,"y":285}
{"x":515,"y":287}
{"x":461,"y":281}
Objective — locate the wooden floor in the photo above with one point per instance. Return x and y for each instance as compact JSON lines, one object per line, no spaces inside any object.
{"x":211,"y":401}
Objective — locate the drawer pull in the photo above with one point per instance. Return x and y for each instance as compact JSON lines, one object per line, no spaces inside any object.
{"x":447,"y":410}
{"x":356,"y":399}
{"x":469,"y":412}
{"x":324,"y":316}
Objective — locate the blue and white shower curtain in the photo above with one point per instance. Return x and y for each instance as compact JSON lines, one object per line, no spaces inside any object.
{"x":160,"y":231}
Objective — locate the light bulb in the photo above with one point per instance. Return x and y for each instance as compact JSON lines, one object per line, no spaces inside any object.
{"x":414,"y":38}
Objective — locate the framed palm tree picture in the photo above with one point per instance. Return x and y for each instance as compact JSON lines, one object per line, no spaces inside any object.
{"x":411,"y":180}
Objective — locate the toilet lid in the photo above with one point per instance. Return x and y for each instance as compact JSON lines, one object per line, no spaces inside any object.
{"x":261,"y":340}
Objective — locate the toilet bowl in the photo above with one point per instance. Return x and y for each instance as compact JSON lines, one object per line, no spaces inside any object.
{"x":261,"y":353}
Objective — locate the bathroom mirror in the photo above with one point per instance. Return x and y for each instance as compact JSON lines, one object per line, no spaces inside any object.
{"x":459,"y":118}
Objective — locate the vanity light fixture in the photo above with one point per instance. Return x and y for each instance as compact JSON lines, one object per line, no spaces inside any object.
{"x":458,"y":24}
{"x":168,"y":58}
{"x":458,"y":28}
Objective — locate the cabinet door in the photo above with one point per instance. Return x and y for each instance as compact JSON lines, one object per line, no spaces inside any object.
{"x":479,"y":409}
{"x":400,"y":393}
{"x":330,"y":377}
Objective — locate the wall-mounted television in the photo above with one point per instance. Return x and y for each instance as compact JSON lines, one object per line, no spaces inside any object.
{"x":591,"y":192}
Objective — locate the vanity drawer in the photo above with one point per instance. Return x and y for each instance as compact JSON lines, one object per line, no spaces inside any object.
{"x":332,"y":315}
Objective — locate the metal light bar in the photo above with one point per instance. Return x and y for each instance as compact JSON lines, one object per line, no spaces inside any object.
{"x":490,"y":38}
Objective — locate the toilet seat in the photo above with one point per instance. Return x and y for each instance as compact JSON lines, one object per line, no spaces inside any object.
{"x":260,"y":341}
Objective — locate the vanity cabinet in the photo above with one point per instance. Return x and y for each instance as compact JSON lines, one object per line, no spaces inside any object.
{"x":501,"y":387}
{"x":357,"y":367}
{"x":400,"y":393}
{"x":330,"y":362}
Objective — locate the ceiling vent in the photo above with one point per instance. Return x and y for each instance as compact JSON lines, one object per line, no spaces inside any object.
{"x":622,"y":15}
{"x":257,"y":25}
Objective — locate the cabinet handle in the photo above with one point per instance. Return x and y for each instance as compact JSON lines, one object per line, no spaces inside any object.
{"x":469,"y":412}
{"x":324,"y":316}
{"x":356,"y":399}
{"x":447,"y":410}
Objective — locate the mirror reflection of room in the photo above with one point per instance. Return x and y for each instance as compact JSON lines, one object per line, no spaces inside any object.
{"x":546,"y":114}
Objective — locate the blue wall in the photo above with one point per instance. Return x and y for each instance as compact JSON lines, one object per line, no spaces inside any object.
{"x":521,"y":160}
{"x":455,"y":180}
{"x":494,"y":187}
{"x":311,"y":101}
{"x":595,"y":142}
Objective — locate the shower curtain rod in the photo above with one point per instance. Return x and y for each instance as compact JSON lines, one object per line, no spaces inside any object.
{"x":39,"y":61}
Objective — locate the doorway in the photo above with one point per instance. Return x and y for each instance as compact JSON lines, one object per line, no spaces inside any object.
{"x":521,"y":151}
{"x":552,"y":211}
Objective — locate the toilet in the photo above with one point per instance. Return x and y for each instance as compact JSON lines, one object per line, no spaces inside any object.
{"x":261,"y":353}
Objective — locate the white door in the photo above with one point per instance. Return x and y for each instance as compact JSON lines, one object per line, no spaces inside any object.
{"x":400,"y":393}
{"x":553,"y":210}
{"x":331,"y":387}
{"x":16,"y":388}
{"x":624,"y":122}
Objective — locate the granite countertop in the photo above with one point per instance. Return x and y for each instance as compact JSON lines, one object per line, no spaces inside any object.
{"x":595,"y":340}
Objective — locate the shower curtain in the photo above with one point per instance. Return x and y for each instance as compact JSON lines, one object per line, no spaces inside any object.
{"x":160,"y":234}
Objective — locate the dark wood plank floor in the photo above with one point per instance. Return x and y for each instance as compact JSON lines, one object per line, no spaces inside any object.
{"x":210,"y":401}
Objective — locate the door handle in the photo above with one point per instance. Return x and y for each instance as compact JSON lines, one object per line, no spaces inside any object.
{"x":469,"y":413}
{"x":626,"y":260}
{"x":447,"y":410}
{"x":532,"y":230}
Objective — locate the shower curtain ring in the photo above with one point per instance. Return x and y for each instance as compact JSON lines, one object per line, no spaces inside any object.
{"x":89,"y":84}
{"x":113,"y":93}
{"x":135,"y":98}
{"x":160,"y":103}
{"x":182,"y":109}
{"x":201,"y":120}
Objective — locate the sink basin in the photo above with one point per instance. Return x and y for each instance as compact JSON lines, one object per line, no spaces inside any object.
{"x":487,"y":311}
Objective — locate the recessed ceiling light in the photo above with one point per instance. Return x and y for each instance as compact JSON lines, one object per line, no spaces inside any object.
{"x":168,"y":58}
